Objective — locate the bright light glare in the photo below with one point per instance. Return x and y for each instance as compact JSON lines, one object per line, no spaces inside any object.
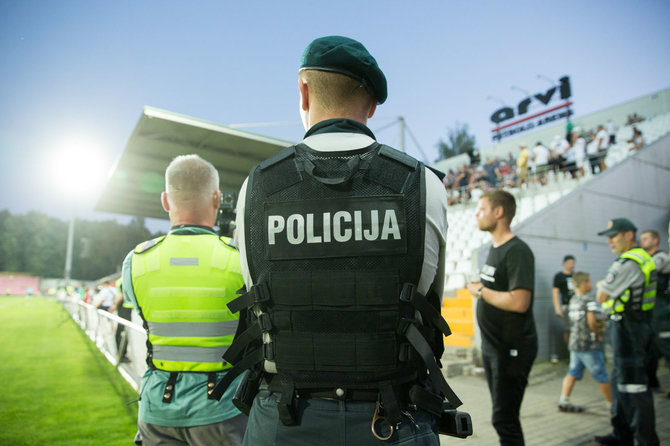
{"x":78,"y":168}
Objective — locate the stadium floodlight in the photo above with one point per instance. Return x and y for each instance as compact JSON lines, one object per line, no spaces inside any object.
{"x":493,"y":98}
{"x":551,"y":81}
{"x":78,"y":170}
{"x":514,"y":87}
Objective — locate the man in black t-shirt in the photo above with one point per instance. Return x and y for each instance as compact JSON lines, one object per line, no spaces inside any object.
{"x":505,"y":314}
{"x":562,"y":291}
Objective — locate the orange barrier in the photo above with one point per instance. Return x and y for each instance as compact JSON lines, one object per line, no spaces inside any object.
{"x":458,"y":313}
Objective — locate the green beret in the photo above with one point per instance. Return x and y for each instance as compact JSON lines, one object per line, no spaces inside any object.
{"x":346,"y":56}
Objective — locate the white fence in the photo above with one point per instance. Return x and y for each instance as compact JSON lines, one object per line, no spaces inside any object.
{"x":101,"y":326}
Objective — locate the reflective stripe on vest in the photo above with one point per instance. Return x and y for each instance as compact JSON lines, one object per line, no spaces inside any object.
{"x":632,"y":388}
{"x":182,"y":286}
{"x":645,"y":296}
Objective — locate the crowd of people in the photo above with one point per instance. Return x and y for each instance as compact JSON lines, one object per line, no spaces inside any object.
{"x":580,"y":152}
{"x":633,"y":298}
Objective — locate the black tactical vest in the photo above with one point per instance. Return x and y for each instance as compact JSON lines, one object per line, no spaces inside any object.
{"x":334,"y":246}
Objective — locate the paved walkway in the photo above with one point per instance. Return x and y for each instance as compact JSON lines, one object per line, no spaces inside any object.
{"x":542,"y":423}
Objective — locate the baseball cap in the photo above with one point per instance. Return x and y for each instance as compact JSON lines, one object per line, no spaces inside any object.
{"x":617,"y":225}
{"x":346,"y":56}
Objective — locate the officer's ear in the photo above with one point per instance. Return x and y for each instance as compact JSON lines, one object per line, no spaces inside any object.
{"x":372,"y":110}
{"x":165,"y":202}
{"x":304,"y":94}
{"x":216,"y":199}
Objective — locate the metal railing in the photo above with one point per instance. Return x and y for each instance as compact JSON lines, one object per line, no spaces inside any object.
{"x":113,"y":336}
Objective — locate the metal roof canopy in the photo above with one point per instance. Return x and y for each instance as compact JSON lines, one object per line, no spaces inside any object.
{"x":138,"y":178}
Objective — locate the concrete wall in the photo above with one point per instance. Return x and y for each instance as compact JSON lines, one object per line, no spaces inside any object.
{"x":637,"y":189}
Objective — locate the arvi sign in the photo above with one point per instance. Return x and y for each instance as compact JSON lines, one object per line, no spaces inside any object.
{"x":509,"y":121}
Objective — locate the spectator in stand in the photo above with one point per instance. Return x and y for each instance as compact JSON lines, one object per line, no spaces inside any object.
{"x":511,"y":160}
{"x":586,"y":334}
{"x":561,"y":293}
{"x":554,"y":161}
{"x":592,"y":152}
{"x":474,"y":156}
{"x":637,"y":140}
{"x":462,"y":182}
{"x":634,"y":119}
{"x":569,"y":164}
{"x":88,"y":297}
{"x":568,"y":130}
{"x":579,"y":147}
{"x":603,"y":140}
{"x":541,"y":160}
{"x":106,"y":296}
{"x":611,"y":131}
{"x":506,"y":174}
{"x":561,"y":149}
{"x":491,"y":169}
{"x":522,"y":166}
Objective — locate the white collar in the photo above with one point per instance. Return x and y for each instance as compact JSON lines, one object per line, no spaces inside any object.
{"x":338,"y":142}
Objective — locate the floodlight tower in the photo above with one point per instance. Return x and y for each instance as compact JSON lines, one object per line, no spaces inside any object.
{"x":77,"y":169}
{"x":551,"y":81}
{"x":514,"y":87}
{"x":68,"y":251}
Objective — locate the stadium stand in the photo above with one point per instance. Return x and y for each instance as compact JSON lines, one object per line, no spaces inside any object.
{"x":18,"y":284}
{"x":463,"y":237}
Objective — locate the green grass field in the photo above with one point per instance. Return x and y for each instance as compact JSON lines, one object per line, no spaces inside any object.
{"x":57,"y":388}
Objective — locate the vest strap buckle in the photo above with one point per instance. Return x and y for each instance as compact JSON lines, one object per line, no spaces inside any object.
{"x":265,"y":323}
{"x":211,"y":383}
{"x":258,"y":294}
{"x":407,"y":293}
{"x":269,"y":351}
{"x":168,"y":393}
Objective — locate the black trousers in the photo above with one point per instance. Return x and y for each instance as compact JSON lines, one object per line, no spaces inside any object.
{"x":507,"y":376}
{"x":633,"y":415}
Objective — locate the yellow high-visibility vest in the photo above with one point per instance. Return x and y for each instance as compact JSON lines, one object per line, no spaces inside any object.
{"x":642,"y":297}
{"x":182,"y":283}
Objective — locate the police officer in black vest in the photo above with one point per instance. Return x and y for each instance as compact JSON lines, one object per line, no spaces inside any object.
{"x":342,"y":243}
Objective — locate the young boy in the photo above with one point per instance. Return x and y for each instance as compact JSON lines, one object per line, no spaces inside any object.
{"x":584,"y":344}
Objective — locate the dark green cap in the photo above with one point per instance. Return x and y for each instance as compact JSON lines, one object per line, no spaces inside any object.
{"x":617,"y":225}
{"x":346,"y":56}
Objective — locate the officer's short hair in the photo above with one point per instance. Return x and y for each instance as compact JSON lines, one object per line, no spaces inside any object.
{"x":335,"y":91}
{"x":503,"y":199}
{"x":580,"y":277}
{"x":191,"y":177}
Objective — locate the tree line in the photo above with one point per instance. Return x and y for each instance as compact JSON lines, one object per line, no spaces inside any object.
{"x":459,"y":140}
{"x":35,"y":244}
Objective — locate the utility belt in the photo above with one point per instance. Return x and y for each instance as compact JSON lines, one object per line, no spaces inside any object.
{"x":390,"y":411}
{"x":333,"y":393}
